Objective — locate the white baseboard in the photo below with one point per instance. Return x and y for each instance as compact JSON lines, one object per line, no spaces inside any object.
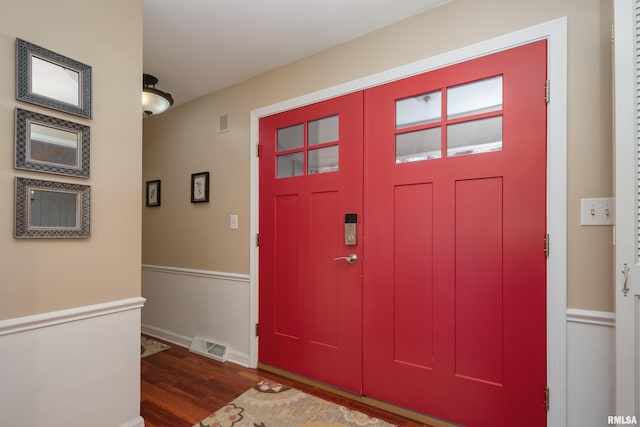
{"x":185,"y":303}
{"x":163,"y":334}
{"x":184,"y":341}
{"x":73,"y":367}
{"x":137,"y":422}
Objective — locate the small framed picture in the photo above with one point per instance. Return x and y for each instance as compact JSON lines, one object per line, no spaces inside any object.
{"x":200,"y":187}
{"x":153,"y":193}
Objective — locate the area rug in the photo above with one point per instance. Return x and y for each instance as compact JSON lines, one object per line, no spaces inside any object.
{"x":269,"y":404}
{"x":149,"y":347}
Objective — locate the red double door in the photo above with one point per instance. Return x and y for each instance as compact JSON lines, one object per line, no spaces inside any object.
{"x":402,"y":241}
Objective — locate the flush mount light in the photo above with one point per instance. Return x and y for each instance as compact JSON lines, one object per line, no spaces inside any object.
{"x":154,"y":101}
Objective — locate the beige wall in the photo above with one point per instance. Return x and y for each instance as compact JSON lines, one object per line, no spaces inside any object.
{"x":44,"y":275}
{"x":185,"y":140}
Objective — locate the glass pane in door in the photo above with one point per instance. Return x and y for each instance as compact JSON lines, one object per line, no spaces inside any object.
{"x":419,"y":110}
{"x":290,"y":165}
{"x":323,"y":130}
{"x":323,"y":160}
{"x":419,"y":145}
{"x":474,"y":137}
{"x":291,"y":137}
{"x":478,"y":97}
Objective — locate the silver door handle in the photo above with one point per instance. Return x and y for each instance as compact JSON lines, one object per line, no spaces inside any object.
{"x":625,"y":273}
{"x":351,"y":258}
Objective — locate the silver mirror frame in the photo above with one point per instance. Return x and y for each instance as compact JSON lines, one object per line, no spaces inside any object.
{"x":23,"y":230}
{"x":24,"y":119}
{"x":24,"y":52}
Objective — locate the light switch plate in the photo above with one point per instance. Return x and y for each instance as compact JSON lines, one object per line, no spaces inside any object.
{"x":599,"y":211}
{"x":233,"y":221}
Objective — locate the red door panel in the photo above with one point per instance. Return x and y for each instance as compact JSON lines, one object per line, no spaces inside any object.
{"x":454,"y":300}
{"x":412,"y":223}
{"x":310,"y":305}
{"x":478,"y":277}
{"x":286,"y":313}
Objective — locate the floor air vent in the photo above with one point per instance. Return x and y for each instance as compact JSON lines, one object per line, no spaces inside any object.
{"x":209,"y":349}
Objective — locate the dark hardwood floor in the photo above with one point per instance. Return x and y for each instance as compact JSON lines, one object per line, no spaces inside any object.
{"x":180,"y":388}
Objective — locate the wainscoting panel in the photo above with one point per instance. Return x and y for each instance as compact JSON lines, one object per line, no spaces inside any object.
{"x":590,"y":367}
{"x":184,"y":303}
{"x":76,"y":367}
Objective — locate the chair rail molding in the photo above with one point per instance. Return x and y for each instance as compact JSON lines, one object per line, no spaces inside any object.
{"x":590,"y":317}
{"x":197,"y":273}
{"x":36,"y":321}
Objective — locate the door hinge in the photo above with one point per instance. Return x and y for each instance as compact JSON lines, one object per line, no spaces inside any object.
{"x":547,"y":91}
{"x":257,"y":239}
{"x":613,"y":34}
{"x":546,"y":245}
{"x":257,"y":329}
{"x":546,"y":399}
{"x":258,"y":150}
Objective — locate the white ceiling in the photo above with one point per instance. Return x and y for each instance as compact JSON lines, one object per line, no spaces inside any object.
{"x":196,"y":47}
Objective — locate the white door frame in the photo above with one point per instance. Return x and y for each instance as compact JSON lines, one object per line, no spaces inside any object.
{"x":626,"y":184}
{"x":555,"y":32}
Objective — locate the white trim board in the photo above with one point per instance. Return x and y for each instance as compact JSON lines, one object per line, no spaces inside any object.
{"x":184,"y":341}
{"x":166,"y":335}
{"x":590,"y":317}
{"x":137,"y":422}
{"x":555,"y":32}
{"x":27,"y":323}
{"x":198,"y":273}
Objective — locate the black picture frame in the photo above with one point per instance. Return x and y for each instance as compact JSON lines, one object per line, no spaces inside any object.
{"x":153,"y":193}
{"x":200,"y":187}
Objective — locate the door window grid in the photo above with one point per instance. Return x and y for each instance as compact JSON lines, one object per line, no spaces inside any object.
{"x":308,"y":148}
{"x":471,"y":115}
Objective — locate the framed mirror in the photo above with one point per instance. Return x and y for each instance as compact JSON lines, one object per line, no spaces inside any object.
{"x":48,"y":209}
{"x":51,"y":145}
{"x":49,"y":79}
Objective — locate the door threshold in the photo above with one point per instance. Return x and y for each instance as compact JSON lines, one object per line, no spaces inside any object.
{"x":374,"y":403}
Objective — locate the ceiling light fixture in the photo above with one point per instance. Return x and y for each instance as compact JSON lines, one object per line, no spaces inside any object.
{"x":154,"y":101}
